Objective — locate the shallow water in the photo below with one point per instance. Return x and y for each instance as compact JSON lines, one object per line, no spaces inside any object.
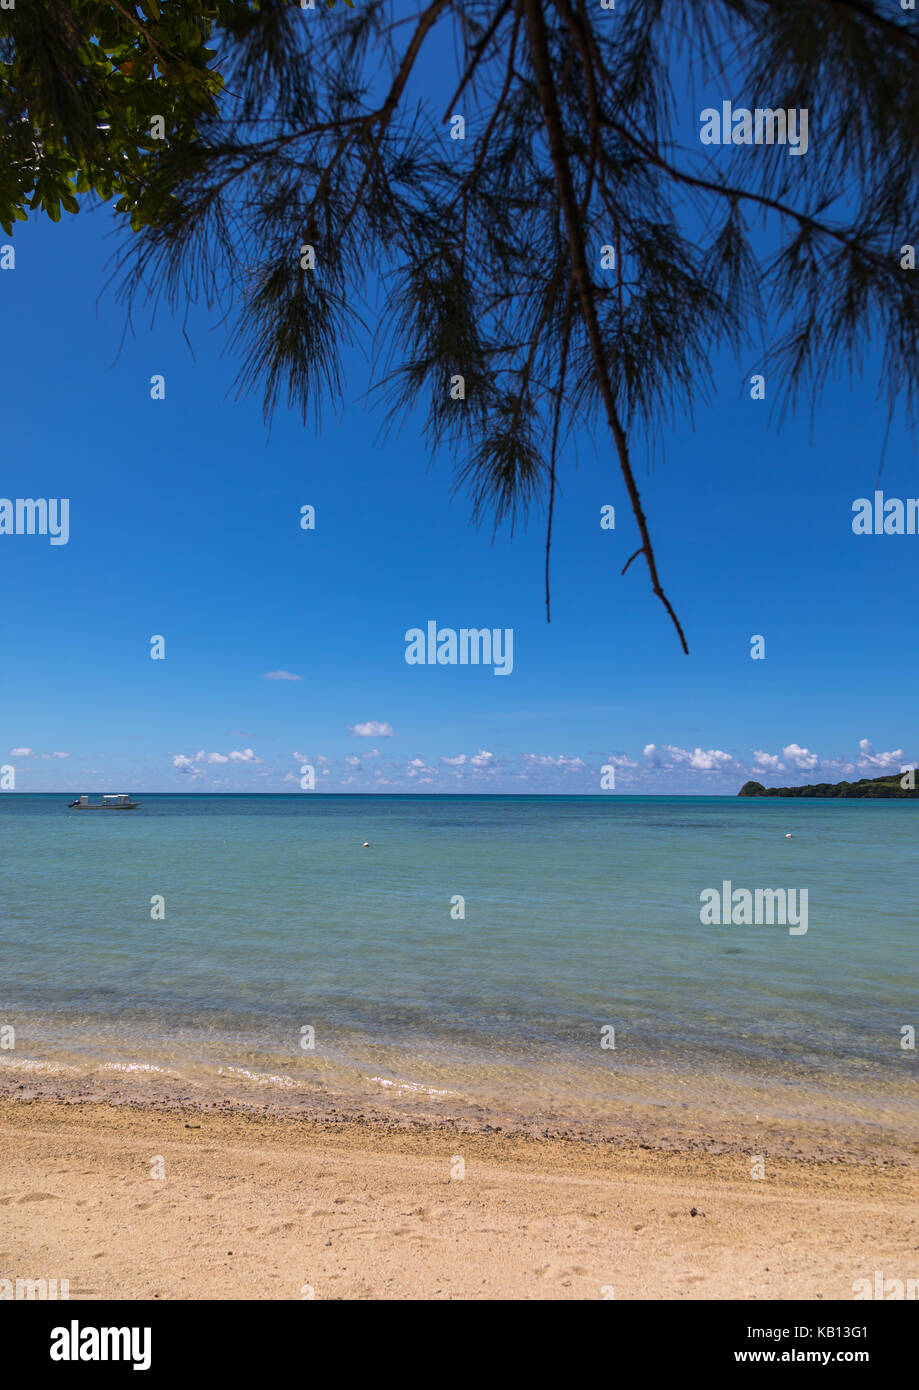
{"x":580,"y":914}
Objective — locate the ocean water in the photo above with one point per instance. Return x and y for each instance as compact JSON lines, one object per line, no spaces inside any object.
{"x":580,"y":914}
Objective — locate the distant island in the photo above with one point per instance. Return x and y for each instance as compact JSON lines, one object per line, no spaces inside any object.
{"x":866,"y":786}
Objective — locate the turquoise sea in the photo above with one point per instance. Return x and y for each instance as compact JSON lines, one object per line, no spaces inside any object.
{"x":581,"y":914}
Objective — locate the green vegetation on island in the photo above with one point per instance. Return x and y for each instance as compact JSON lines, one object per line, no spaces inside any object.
{"x":865,"y":786}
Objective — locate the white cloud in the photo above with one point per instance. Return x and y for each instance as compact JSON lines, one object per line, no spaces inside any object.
{"x":60,"y":755}
{"x":662,"y":765}
{"x":280,"y":676}
{"x":770,"y":762}
{"x":701,"y":759}
{"x":801,"y":757}
{"x":562,"y":761}
{"x":185,"y":764}
{"x":868,"y":759}
{"x":710,"y":760}
{"x":22,"y":753}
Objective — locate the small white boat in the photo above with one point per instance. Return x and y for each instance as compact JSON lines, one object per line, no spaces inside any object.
{"x":118,"y":801}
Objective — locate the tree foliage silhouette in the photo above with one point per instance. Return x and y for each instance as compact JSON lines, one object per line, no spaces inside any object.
{"x":488,"y":249}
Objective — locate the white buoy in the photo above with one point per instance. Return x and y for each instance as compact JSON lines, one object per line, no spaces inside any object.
{"x":788,"y":835}
{"x":366,"y":844}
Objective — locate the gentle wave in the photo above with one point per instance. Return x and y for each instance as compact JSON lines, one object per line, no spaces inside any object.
{"x":412,"y":1086}
{"x":258,"y":1078}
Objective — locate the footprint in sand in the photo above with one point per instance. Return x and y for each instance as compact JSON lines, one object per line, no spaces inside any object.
{"x":36,"y":1197}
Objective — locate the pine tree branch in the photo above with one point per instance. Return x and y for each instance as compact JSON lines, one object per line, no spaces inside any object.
{"x":897,"y":33}
{"x":476,"y":56}
{"x":542,"y":67}
{"x":562,"y":373}
{"x":733,"y":193}
{"x":481,"y":146}
{"x":729,"y":191}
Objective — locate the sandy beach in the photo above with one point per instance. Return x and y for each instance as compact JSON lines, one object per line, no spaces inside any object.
{"x":263,"y":1206}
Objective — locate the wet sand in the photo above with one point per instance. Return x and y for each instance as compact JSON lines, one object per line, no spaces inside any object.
{"x":255,"y":1204}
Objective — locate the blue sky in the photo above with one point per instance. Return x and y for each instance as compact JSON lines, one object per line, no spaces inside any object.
{"x":184,"y":522}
